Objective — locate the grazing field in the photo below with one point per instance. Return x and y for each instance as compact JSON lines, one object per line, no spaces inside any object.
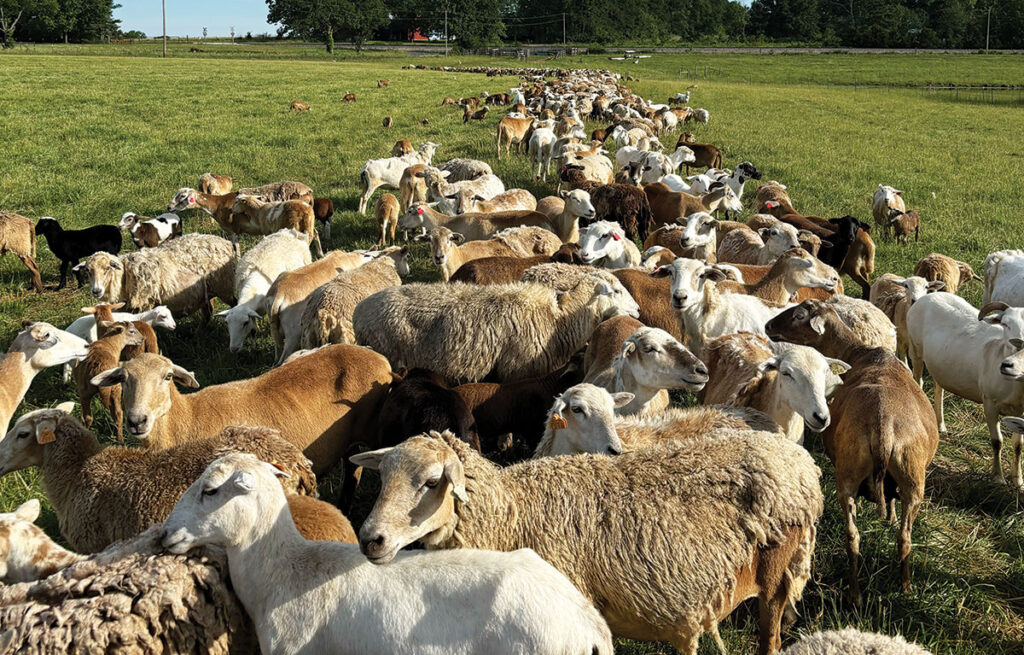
{"x":87,"y":137}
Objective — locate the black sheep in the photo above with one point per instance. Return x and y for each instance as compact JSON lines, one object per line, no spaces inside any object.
{"x":834,"y":251}
{"x":69,"y":246}
{"x":420,"y":401}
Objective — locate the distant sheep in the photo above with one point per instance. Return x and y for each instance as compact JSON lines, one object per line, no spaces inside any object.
{"x":69,"y":246}
{"x":213,"y":184}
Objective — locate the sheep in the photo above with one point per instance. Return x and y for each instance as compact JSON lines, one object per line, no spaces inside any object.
{"x":386,"y":211}
{"x":565,"y":211}
{"x":445,"y":193}
{"x":150,"y":233}
{"x":383,"y":83}
{"x":219,"y":207}
{"x":850,"y":641}
{"x":387,"y":122}
{"x":895,"y":296}
{"x":419,"y":401}
{"x":213,"y":184}
{"x":323,"y":211}
{"x":575,"y":511}
{"x":604,"y":244}
{"x":882,"y":435}
{"x":84,"y":327}
{"x":745,"y":246}
{"x":704,"y":311}
{"x":903,"y":223}
{"x":280,"y":192}
{"x":595,"y":167}
{"x":251,"y":215}
{"x":387,"y":173}
{"x":348,"y":97}
{"x":975,"y":355}
{"x":705,"y":155}
{"x":18,"y":237}
{"x":735,"y":180}
{"x":594,"y":426}
{"x":883,"y":202}
{"x":69,"y":246}
{"x":625,"y":204}
{"x":771,"y":191}
{"x":449,"y":256}
{"x":465,"y":170}
{"x":27,"y":554}
{"x":327,"y":316}
{"x":868,"y":322}
{"x":794,"y":272}
{"x":652,"y":295}
{"x":183,"y":274}
{"x":1003,"y":275}
{"x":322,"y":402}
{"x":513,"y":131}
{"x":282,"y":251}
{"x":469,"y":201}
{"x":667,"y":205}
{"x":516,"y":408}
{"x":791,"y":386}
{"x":701,"y":115}
{"x":37,"y":346}
{"x":401,"y":148}
{"x":459,"y":339}
{"x":287,"y":296}
{"x":411,"y":188}
{"x":624,"y":355}
{"x":101,"y":495}
{"x":472,"y":226}
{"x":132,"y":597}
{"x":298,"y":105}
{"x":540,"y":149}
{"x":698,"y":239}
{"x":939,"y":267}
{"x":504,"y":270}
{"x":498,"y":602}
{"x":104,"y":312}
{"x":103,"y":354}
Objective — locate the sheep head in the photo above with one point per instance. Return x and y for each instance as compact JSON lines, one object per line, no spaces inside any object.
{"x":43,"y":345}
{"x":23,"y":445}
{"x":656,"y":359}
{"x":582,"y":420}
{"x":147,"y":389}
{"x":105,"y":275}
{"x":1011,"y":319}
{"x":806,"y":324}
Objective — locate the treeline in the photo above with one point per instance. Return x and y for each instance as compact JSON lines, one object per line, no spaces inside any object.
{"x":57,"y":20}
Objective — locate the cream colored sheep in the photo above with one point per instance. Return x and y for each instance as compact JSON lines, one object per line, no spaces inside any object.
{"x":870,"y":323}
{"x":583,"y":515}
{"x":895,"y":296}
{"x":18,"y":237}
{"x":184,"y":274}
{"x":745,"y":246}
{"x":327,"y":317}
{"x":850,"y":641}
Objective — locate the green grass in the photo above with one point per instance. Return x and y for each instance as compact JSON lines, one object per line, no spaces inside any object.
{"x":87,"y":136}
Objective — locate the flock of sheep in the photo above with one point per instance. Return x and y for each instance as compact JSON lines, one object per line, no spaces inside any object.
{"x":551,"y":338}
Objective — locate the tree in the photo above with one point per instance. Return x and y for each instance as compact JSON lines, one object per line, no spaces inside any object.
{"x":354,"y":20}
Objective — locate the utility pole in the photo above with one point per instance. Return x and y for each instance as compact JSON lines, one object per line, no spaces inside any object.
{"x":446,"y":31}
{"x":163,"y":9}
{"x":988,"y":27}
{"x":563,"y":28}
{"x":232,"y":33}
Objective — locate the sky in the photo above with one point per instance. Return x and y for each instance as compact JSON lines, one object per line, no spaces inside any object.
{"x":190,"y":16}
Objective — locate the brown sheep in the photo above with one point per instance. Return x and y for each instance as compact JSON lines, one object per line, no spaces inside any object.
{"x":668,"y":205}
{"x":215,"y":184}
{"x":412,"y":189}
{"x":903,"y":223}
{"x":752,"y":274}
{"x":939,"y":267}
{"x":883,"y":434}
{"x":448,"y":100}
{"x":387,"y":212}
{"x":298,"y":105}
{"x":504,"y":270}
{"x":320,"y":521}
{"x":383,"y":83}
{"x":653,"y":295}
{"x":705,"y":154}
{"x":401,"y":148}
{"x":348,"y":97}
{"x":104,"y":312}
{"x":387,"y":122}
{"x":104,"y":353}
{"x":771,"y":191}
{"x":625,"y":204}
{"x":323,"y":211}
{"x":18,"y":237}
{"x":513,"y":132}
{"x":794,"y":270}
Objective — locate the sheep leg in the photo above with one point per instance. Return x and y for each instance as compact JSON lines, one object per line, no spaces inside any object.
{"x":686,"y":643}
{"x":391,"y":230}
{"x":64,"y":265}
{"x":234,"y":244}
{"x":940,"y":418}
{"x":918,"y":363}
{"x":33,"y":269}
{"x":996,"y":437}
{"x":1018,"y":450}
{"x":848,"y":501}
{"x":319,"y":248}
{"x":911,"y":497}
{"x":85,"y":399}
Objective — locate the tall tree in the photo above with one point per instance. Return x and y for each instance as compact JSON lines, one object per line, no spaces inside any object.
{"x":354,"y":20}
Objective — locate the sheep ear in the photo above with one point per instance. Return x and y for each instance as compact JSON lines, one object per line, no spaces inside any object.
{"x":108,"y":378}
{"x":457,"y":238}
{"x":28,"y":510}
{"x":245,"y":480}
{"x":622,"y":399}
{"x":817,"y":324}
{"x":902,"y":283}
{"x":275,"y":470}
{"x":837,"y":366}
{"x":628,"y":348}
{"x":1013,"y":424}
{"x":421,"y":237}
{"x":661,"y":271}
{"x":770,"y":364}
{"x":936,"y":285}
{"x":826,"y":244}
{"x":184,"y":378}
{"x":66,"y":407}
{"x":223,"y":313}
{"x":456,"y":477}
{"x":252,"y":313}
{"x":370,"y":459}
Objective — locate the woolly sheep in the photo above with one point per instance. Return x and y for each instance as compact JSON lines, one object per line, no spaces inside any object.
{"x":18,"y":237}
{"x":895,"y":296}
{"x":327,"y":317}
{"x":582,"y":514}
{"x":850,"y":641}
{"x":502,"y":603}
{"x":939,"y":267}
{"x":184,"y":274}
{"x":101,"y":495}
{"x":745,"y":246}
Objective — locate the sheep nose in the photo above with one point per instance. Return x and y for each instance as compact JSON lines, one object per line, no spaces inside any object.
{"x":821,"y":418}
{"x":1006,"y":368}
{"x":612,"y":450}
{"x":136,"y":423}
{"x":373,"y":545}
{"x":701,"y":371}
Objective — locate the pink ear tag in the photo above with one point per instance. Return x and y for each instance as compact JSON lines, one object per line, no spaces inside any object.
{"x":615,"y":235}
{"x":419,"y":210}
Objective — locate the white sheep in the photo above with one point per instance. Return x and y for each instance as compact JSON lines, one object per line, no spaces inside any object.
{"x":446,"y":194}
{"x":745,"y":246}
{"x":323,"y":597}
{"x":1004,"y":278}
{"x":604,"y":244}
{"x":886,"y":198}
{"x":850,"y":641}
{"x":258,"y":268}
{"x":387,"y":172}
{"x":541,"y":146}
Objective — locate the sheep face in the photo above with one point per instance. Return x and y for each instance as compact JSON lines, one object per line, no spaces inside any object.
{"x":917,"y":287}
{"x":241,"y":323}
{"x":747,"y":171}
{"x":442,"y":243}
{"x":183,"y":199}
{"x":1011,"y":319}
{"x":398,"y":254}
{"x":779,"y":239}
{"x":44,"y":345}
{"x":223,"y":506}
{"x":685,"y":274}
{"x":588,"y":413}
{"x":414,"y":217}
{"x":128,"y":221}
{"x":805,"y":270}
{"x":22,"y":447}
{"x":657,"y":360}
{"x":104,"y":273}
{"x":804,"y":324}
{"x":159,"y":316}
{"x":699,"y":230}
{"x":420,"y":480}
{"x":20,"y":543}
{"x":578,"y":204}
{"x":846,"y":229}
{"x":806,"y":379}
{"x":147,"y":389}
{"x":602,"y":240}
{"x":132,"y":336}
{"x":611,"y":299}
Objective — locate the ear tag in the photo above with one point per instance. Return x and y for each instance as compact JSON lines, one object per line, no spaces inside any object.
{"x":557,"y":423}
{"x":615,"y":235}
{"x":419,"y":210}
{"x":46,"y":436}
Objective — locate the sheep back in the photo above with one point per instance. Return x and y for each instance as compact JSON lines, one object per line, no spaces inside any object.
{"x":180,"y":273}
{"x":327,"y":316}
{"x":17,"y":235}
{"x":529,"y":241}
{"x":850,"y":641}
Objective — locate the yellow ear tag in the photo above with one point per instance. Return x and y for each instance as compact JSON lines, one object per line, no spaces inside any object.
{"x":557,"y":422}
{"x":46,"y":436}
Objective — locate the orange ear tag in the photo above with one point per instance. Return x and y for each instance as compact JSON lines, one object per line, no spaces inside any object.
{"x":46,"y":436}
{"x":557,"y":422}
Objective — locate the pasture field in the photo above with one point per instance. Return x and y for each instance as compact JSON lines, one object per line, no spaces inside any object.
{"x":86,"y":137}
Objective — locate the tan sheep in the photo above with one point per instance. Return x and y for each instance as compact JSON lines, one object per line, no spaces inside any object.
{"x":941,"y":268}
{"x":212,"y":184}
{"x":895,"y":296}
{"x":794,"y":270}
{"x":412,"y":189}
{"x":449,"y":252}
{"x":253,"y":215}
{"x":18,"y":237}
{"x":101,"y":495}
{"x":583,"y":513}
{"x":105,"y":353}
{"x":386,"y":211}
{"x":327,"y":316}
{"x":771,"y":191}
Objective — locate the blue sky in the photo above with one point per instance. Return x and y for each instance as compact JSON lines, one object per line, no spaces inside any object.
{"x":190,"y":16}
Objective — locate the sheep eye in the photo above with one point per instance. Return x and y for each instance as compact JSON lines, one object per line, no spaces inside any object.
{"x":650,"y":349}
{"x":169,"y":377}
{"x":577,"y":410}
{"x":787,"y":374}
{"x":432,"y":483}
{"x":210,"y":492}
{"x":22,"y":435}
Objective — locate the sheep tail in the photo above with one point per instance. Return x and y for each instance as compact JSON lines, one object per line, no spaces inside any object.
{"x":881,"y":453}
{"x":32,"y":240}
